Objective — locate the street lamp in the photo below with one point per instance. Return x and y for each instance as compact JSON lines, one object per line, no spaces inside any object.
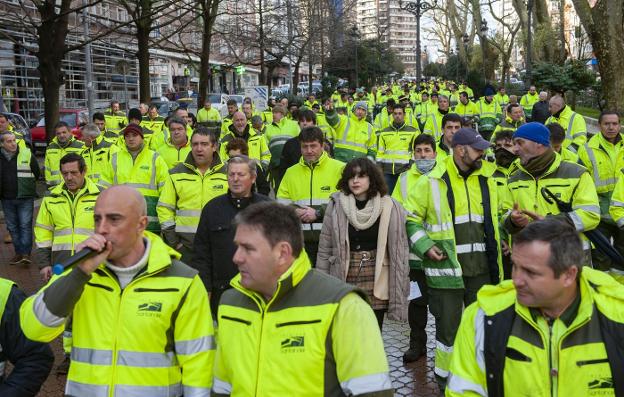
{"x":484,"y":30}
{"x":417,"y":8}
{"x":355,"y":33}
{"x":528,"y":66}
{"x":466,"y":39}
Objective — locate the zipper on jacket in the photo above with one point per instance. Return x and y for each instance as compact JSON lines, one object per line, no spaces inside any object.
{"x":105,"y":287}
{"x":590,"y":362}
{"x":550,"y":361}
{"x":297,"y":323}
{"x":236,"y":319}
{"x":311,"y":184}
{"x":156,"y":290}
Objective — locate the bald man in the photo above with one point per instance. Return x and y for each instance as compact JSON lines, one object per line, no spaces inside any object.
{"x":241,"y":128}
{"x":572,"y":122}
{"x":141,"y":319}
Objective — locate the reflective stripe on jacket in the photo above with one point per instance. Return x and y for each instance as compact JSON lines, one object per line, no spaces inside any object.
{"x":304,"y":341}
{"x":503,"y":347}
{"x":154,"y":338}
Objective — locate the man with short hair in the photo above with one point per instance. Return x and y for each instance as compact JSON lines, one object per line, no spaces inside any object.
{"x":64,"y":142}
{"x":322,"y":321}
{"x":208,"y":114}
{"x":214,"y":248}
{"x":514,"y":118}
{"x":489,"y":113}
{"x":152,"y":120}
{"x":143,"y":108}
{"x":572,"y":122}
{"x":19,"y":172}
{"x":557,"y":137}
{"x":539,"y":168}
{"x":5,"y":126}
{"x":466,"y":108}
{"x":141,"y":319}
{"x":384,"y":117}
{"x":453,"y":226}
{"x":308,"y":184}
{"x":232,"y":107}
{"x":115,"y":118}
{"x":100,"y":121}
{"x":280,"y":130}
{"x":175,"y":149}
{"x":65,"y":219}
{"x":528,"y":100}
{"x":394,"y":145}
{"x":139,"y":167}
{"x":540,"y":112}
{"x":554,"y":329}
{"x":451,"y":123}
{"x":433,"y":125}
{"x":425,"y":159}
{"x":502,"y":98}
{"x":353,"y":135}
{"x":190,"y":185}
{"x":96,"y":152}
{"x":600,"y":156}
{"x":31,"y":361}
{"x":240,"y":128}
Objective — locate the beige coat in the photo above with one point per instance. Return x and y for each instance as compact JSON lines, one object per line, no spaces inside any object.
{"x":333,"y":255}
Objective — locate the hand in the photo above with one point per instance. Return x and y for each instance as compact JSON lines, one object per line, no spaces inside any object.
{"x":46,"y":273}
{"x":308,"y":214}
{"x":518,"y":217}
{"x":98,"y":243}
{"x":535,"y":216}
{"x":436,"y":254}
{"x":505,"y":248}
{"x":328,"y":106}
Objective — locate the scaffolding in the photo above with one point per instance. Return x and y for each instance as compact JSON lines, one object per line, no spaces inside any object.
{"x":22,"y":92}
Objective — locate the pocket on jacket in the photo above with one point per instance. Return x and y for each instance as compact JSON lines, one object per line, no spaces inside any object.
{"x":220,"y":228}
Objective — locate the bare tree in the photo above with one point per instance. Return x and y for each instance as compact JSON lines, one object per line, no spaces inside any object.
{"x":148,"y":16}
{"x":604,"y":24}
{"x":505,"y":41}
{"x":47,"y":24}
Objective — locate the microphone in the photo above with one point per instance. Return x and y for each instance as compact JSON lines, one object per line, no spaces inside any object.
{"x":78,"y":257}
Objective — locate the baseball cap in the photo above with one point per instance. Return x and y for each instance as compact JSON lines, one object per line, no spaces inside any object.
{"x":470,"y":137}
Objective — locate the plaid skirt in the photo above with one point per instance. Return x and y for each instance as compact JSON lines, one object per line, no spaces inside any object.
{"x":362,"y":274}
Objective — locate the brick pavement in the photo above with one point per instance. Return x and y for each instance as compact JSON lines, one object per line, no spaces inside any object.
{"x":415,"y":379}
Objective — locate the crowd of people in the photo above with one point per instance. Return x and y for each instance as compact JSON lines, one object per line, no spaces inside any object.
{"x":259,"y":253}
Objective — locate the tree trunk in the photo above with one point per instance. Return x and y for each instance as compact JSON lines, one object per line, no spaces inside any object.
{"x":604,"y":26}
{"x":261,"y":37}
{"x":51,"y":39}
{"x":142,"y":35}
{"x":209,"y":15}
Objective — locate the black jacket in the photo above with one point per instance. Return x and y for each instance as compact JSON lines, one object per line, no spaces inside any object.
{"x":32,"y":360}
{"x":540,"y":112}
{"x":214,"y":248}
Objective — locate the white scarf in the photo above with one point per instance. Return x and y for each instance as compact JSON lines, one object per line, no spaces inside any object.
{"x":364,"y":218}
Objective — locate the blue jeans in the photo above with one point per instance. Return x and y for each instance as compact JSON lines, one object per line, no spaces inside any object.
{"x":18,"y":215}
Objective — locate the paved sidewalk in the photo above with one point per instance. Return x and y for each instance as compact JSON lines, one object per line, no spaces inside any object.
{"x":415,"y":379}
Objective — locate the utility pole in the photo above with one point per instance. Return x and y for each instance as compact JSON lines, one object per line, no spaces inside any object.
{"x":88,"y":62}
{"x":289,"y":52}
{"x":417,"y":8}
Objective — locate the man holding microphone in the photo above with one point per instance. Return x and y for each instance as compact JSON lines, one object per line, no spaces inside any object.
{"x":135,"y":306}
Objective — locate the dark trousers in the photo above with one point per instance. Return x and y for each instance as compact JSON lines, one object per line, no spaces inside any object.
{"x":472,"y":285}
{"x":417,"y":312}
{"x":18,"y":215}
{"x":391,"y":180}
{"x":446,"y":306}
{"x":379,"y":315}
{"x":613,"y":233}
{"x":311,"y":248}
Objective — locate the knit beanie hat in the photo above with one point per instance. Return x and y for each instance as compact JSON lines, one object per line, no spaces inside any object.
{"x":534,"y":131}
{"x":361,"y":105}
{"x":133,"y":128}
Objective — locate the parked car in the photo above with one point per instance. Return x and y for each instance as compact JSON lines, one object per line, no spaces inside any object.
{"x":165,"y":107}
{"x":19,"y":125}
{"x":75,"y":118}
